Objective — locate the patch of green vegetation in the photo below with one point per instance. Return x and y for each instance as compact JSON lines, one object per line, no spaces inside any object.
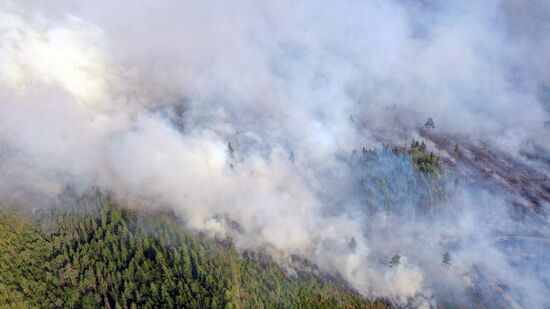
{"x":404,"y":179}
{"x":25,"y":266}
{"x":424,"y":161}
{"x":97,"y":254}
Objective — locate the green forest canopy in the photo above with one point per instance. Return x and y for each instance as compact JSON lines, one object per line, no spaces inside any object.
{"x":98,"y":254}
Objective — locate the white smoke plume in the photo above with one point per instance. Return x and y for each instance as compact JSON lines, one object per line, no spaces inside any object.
{"x":142,"y":99}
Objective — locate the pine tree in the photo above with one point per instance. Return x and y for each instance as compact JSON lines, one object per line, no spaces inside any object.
{"x":446,"y":260}
{"x":395,"y":261}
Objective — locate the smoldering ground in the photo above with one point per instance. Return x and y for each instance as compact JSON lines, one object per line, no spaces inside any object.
{"x":142,"y":98}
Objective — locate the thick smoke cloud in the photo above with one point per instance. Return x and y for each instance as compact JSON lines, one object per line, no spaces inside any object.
{"x":142,"y":98}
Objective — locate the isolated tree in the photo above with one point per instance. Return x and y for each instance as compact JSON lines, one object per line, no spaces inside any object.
{"x":352,"y":244}
{"x":230,"y":149}
{"x":429,"y":125}
{"x":446,"y":260}
{"x":231,"y":152}
{"x":458,"y":152}
{"x":395,"y":261}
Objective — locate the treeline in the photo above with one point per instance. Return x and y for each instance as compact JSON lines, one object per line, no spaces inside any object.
{"x":95,"y":254}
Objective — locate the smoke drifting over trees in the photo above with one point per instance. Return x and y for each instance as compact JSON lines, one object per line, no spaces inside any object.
{"x":243,"y":118}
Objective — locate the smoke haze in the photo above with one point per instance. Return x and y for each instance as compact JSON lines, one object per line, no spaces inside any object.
{"x":141,"y":99}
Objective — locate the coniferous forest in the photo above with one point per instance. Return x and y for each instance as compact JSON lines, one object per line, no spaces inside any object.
{"x":90,"y":252}
{"x":275,"y":154}
{"x":95,"y":253}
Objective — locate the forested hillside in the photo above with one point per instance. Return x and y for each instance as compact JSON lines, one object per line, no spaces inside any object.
{"x":91,"y":252}
{"x":95,"y":253}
